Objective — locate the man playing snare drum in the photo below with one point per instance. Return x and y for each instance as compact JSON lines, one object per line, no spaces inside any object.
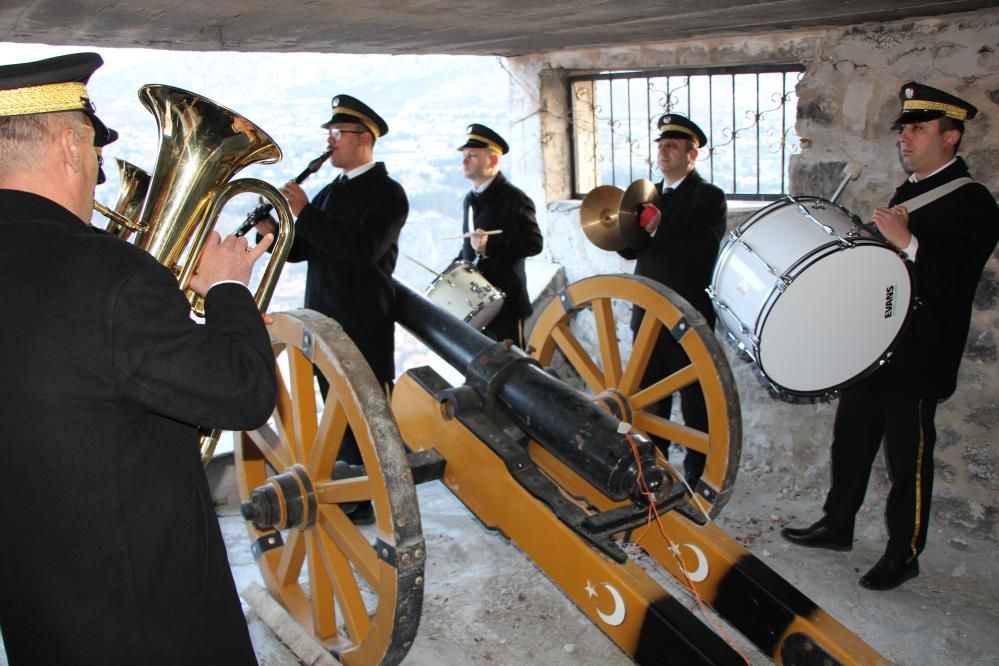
{"x":501,"y":230}
{"x":948,"y":240}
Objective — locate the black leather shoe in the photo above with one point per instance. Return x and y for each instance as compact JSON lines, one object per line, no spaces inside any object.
{"x":817,"y":536}
{"x":888,"y":574}
{"x":363,"y":514}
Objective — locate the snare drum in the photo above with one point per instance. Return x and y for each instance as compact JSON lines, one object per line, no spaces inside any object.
{"x":466,"y":294}
{"x":811,"y":295}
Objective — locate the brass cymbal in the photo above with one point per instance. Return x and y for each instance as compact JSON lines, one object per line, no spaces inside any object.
{"x":599,"y":217}
{"x":642,"y":191}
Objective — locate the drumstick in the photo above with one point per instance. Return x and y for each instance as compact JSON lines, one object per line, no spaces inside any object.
{"x":422,"y":265}
{"x":468,"y":234}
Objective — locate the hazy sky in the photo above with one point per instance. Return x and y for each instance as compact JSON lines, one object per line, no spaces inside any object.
{"x":288,"y":94}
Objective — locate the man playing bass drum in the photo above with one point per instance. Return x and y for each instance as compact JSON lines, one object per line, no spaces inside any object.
{"x":948,"y":239}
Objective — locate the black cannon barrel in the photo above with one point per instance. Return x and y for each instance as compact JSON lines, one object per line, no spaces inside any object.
{"x":563,"y":420}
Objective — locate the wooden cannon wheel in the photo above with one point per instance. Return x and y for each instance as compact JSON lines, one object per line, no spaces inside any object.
{"x":358,"y":590}
{"x":613,"y":377}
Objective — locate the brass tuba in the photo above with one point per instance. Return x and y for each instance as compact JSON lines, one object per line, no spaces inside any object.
{"x":202,"y":145}
{"x":134,"y":183}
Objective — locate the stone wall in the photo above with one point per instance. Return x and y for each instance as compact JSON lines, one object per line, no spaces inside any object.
{"x":847,"y":101}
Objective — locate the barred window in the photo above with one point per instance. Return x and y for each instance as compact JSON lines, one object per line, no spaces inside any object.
{"x":747,"y":113}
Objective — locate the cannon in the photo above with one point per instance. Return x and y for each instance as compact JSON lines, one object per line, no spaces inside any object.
{"x":566,"y":472}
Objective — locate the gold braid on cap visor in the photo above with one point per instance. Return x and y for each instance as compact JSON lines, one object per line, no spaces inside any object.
{"x":493,"y":146}
{"x":680,"y":128}
{"x":367,"y":122}
{"x":44,"y":99}
{"x":951,"y":111}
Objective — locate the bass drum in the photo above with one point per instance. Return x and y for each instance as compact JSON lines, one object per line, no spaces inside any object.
{"x":467,"y":294}
{"x":814,"y":297}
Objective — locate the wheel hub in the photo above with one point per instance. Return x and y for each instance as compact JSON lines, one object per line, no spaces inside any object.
{"x":287,"y":500}
{"x":615,"y":402}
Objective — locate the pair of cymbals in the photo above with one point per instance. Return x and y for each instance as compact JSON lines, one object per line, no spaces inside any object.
{"x":610,"y":216}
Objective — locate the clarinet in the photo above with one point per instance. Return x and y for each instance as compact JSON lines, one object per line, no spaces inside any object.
{"x":264,"y":209}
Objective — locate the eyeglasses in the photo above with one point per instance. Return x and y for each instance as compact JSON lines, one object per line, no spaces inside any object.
{"x":336,"y":133}
{"x":100,"y":168}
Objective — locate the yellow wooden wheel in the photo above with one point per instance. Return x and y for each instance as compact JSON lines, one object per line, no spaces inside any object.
{"x":591,"y":310}
{"x":357,"y":589}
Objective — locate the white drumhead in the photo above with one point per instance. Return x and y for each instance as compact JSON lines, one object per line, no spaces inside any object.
{"x":838,"y":317}
{"x":487,"y":311}
{"x":466,"y":294}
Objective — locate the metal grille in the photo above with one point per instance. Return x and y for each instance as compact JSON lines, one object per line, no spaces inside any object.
{"x":747,"y":113}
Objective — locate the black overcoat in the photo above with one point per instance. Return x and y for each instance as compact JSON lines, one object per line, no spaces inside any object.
{"x":504,"y":206}
{"x":349,"y":234}
{"x":683,"y":251}
{"x":957,"y":234}
{"x":110,"y":550}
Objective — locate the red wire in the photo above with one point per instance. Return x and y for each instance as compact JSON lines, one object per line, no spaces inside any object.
{"x":654,"y":512}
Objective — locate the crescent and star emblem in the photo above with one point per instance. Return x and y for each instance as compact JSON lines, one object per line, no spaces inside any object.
{"x":701,"y":572}
{"x":616,"y":616}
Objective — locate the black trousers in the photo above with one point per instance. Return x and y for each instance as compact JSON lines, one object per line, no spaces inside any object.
{"x":668,"y":357}
{"x":863,"y":418}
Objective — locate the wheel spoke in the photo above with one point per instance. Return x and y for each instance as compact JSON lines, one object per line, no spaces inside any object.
{"x":272,"y":447}
{"x":347,"y":591}
{"x":338,"y":491}
{"x":303,"y":414}
{"x":674,"y":432}
{"x":292,"y":556}
{"x":345,"y":536}
{"x":641,"y":352}
{"x":578,"y":357}
{"x":666,"y":386}
{"x":329,"y":437}
{"x":320,"y":590}
{"x":610,"y":352}
{"x":283,"y":411}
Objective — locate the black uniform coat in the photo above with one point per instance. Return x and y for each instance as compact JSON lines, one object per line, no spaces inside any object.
{"x":957,"y":234}
{"x":110,"y":551}
{"x":504,"y":206}
{"x":682,"y":253}
{"x":349,"y":234}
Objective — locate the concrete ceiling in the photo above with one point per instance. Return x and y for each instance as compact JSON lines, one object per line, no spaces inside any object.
{"x":478,"y":27}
